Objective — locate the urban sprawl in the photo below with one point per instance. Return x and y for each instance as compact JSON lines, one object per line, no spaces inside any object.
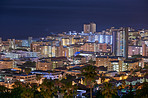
{"x":112,"y":63}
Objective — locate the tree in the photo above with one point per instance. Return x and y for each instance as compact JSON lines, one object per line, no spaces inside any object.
{"x":130,"y":93}
{"x":136,"y":56}
{"x":127,"y":65}
{"x":27,"y":93}
{"x":99,"y":94}
{"x":3,"y":89}
{"x":29,"y":63}
{"x":91,"y":62}
{"x":108,"y":90}
{"x":146,"y":65}
{"x":89,"y":72}
{"x":27,"y":71}
{"x":4,"y":92}
{"x":123,"y":84}
{"x":17,"y":84}
{"x":57,"y":87}
{"x":47,"y":88}
{"x":68,"y":89}
{"x":17,"y":89}
{"x":143,"y":92}
{"x":38,"y":78}
{"x":102,"y":76}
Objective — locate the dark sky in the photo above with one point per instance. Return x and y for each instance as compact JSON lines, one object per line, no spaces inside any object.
{"x":22,"y":18}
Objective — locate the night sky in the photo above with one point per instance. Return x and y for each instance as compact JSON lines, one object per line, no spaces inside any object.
{"x":23,"y":18}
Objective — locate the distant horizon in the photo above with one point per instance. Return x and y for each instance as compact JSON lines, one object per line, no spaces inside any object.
{"x":23,"y":18}
{"x":49,"y":33}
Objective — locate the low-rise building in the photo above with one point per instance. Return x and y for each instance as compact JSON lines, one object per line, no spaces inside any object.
{"x":6,"y":63}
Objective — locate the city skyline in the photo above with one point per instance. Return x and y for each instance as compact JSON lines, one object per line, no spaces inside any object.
{"x":73,"y":49}
{"x":20,"y":19}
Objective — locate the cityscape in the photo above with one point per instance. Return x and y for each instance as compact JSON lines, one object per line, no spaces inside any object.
{"x":86,"y":63}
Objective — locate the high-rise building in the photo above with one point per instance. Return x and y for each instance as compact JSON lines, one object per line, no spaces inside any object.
{"x":0,"y":40}
{"x":29,"y":41}
{"x":89,"y":28}
{"x":125,"y":43}
{"x":114,"y":45}
{"x":86,"y":28}
{"x":120,"y":43}
{"x":143,"y":49}
{"x":92,"y":27}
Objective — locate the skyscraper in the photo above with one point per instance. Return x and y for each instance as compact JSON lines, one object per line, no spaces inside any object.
{"x":0,"y":40}
{"x":125,"y":43}
{"x":92,"y":27}
{"x":143,"y":49}
{"x":89,"y":28}
{"x":86,"y":28}
{"x":114,"y":45}
{"x":120,"y":43}
{"x":29,"y":41}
